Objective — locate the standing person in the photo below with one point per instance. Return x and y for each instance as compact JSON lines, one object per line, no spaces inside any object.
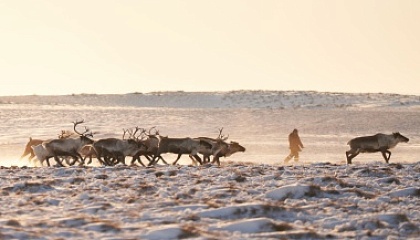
{"x":295,"y":145}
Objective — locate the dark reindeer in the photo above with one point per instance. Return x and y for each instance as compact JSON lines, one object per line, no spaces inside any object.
{"x":151,"y":143}
{"x":111,"y":151}
{"x":178,"y":146}
{"x":376,"y":143}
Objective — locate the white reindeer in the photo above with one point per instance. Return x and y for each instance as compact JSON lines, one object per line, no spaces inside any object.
{"x":68,"y":146}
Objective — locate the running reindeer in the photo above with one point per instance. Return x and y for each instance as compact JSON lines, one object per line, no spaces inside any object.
{"x":34,"y":142}
{"x":151,"y":143}
{"x":67,"y":146}
{"x":218,"y":148}
{"x":376,"y":143}
{"x":111,"y":151}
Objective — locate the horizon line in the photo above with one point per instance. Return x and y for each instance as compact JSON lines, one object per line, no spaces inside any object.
{"x":199,"y":91}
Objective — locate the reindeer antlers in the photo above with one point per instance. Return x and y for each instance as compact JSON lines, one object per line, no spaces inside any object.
{"x":156,"y":131}
{"x":85,"y":133}
{"x":65,"y":134}
{"x":132,"y":133}
{"x":221,"y":136}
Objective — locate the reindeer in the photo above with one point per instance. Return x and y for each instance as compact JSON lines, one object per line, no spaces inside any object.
{"x":114,"y":148}
{"x":43,"y":154}
{"x":68,"y":146}
{"x":151,"y":144}
{"x":178,"y":146}
{"x":34,"y":142}
{"x":88,"y":151}
{"x":376,"y":143}
{"x":29,"y":149}
{"x":215,"y":144}
{"x":219,"y":148}
{"x":227,"y":151}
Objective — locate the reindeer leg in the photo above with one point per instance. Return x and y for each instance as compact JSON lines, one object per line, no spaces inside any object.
{"x":386,"y":157}
{"x":351,"y":154}
{"x":76,"y":156}
{"x":82,"y":160}
{"x":149,"y":157}
{"x":216,"y":159}
{"x":163,"y":160}
{"x":195,"y":159}
{"x":73,"y":162}
{"x":139,"y":160}
{"x":198,"y":159}
{"x":194,"y":162}
{"x":108,"y":161}
{"x":348,"y":154}
{"x":101,"y":161}
{"x":136,"y":157}
{"x":58,"y":161}
{"x":114,"y":161}
{"x":100,"y":156}
{"x":48,"y":162}
{"x":153,"y":162}
{"x":179,"y":156}
{"x":90,"y":159}
{"x":123,"y":160}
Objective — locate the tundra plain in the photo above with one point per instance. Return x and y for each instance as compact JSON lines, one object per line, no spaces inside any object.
{"x":251,"y":196}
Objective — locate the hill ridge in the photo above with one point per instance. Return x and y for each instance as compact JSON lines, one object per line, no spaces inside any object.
{"x":230,"y":99}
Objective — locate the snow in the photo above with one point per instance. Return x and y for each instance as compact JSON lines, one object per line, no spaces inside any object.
{"x":292,"y":192}
{"x":253,"y":195}
{"x":329,"y":201}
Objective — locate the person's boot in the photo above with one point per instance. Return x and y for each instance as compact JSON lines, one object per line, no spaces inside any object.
{"x":287,"y":159}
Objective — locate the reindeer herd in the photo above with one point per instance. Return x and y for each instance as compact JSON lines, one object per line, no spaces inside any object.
{"x":76,"y":147}
{"x":72,"y":147}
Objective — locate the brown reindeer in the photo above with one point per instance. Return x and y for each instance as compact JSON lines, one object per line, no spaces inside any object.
{"x":376,"y":143}
{"x":227,"y":151}
{"x":88,"y":151}
{"x":219,"y":148}
{"x":28,"y":147}
{"x":151,"y":143}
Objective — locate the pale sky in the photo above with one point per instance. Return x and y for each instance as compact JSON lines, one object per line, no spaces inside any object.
{"x":106,"y":46}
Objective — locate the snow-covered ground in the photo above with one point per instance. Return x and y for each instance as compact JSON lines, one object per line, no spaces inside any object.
{"x":236,"y":201}
{"x":251,"y":196}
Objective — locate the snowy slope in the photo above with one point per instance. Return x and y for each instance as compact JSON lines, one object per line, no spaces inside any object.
{"x":235,"y":99}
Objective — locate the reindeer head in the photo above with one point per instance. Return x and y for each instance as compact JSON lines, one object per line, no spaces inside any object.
{"x":400,"y":137}
{"x":235,"y":147}
{"x":86,"y":135}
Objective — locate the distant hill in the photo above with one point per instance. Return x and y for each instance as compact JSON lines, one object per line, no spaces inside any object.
{"x":232,"y":99}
